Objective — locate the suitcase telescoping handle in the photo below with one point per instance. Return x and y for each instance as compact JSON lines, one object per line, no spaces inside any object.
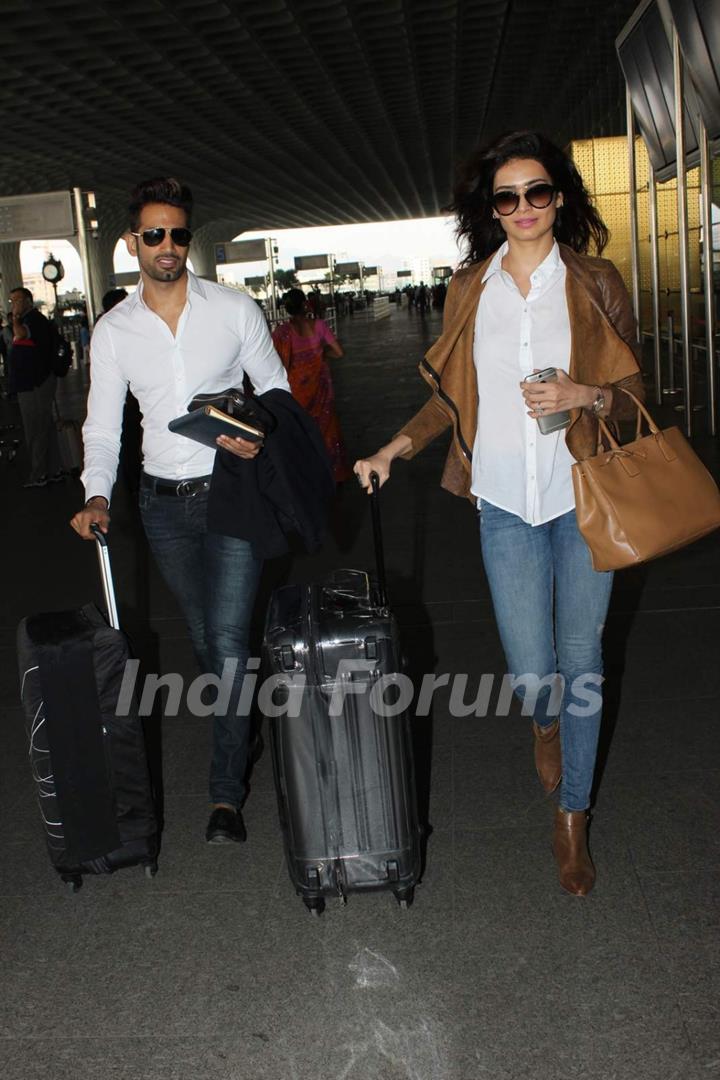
{"x":106,"y":576}
{"x":377,"y":537}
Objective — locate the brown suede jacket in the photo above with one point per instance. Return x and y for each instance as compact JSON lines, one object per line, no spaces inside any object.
{"x":603,"y":352}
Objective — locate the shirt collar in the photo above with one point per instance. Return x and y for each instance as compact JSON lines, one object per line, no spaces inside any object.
{"x":195,"y":285}
{"x":540,"y":274}
{"x":495,"y":265}
{"x":548,"y":266}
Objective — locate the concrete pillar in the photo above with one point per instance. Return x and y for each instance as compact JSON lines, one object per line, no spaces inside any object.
{"x":10,"y":271}
{"x":202,"y":252}
{"x":101,"y":253}
{"x":205,"y":237}
{"x":101,"y":245}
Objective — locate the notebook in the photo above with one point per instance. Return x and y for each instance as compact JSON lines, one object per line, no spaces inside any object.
{"x":204,"y":425}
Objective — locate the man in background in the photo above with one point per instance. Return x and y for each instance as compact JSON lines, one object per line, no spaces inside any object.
{"x":30,"y":376}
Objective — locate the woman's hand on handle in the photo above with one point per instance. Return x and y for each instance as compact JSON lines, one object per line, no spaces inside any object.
{"x":380,"y":462}
{"x":375,"y":464}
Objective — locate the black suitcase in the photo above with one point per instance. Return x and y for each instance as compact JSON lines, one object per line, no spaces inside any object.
{"x":87,"y":750}
{"x":345,"y":782}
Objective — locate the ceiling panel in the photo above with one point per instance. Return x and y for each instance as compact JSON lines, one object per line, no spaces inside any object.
{"x":282,"y":113}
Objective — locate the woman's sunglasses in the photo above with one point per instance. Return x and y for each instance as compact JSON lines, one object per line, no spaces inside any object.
{"x":153,"y":237}
{"x":539,"y":196}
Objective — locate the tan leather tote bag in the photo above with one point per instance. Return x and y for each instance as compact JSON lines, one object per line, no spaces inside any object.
{"x":644,"y":499}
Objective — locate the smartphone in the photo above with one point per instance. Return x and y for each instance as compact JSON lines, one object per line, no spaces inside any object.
{"x":553,"y":421}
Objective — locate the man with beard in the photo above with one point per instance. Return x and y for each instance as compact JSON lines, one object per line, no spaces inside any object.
{"x":175,"y":337}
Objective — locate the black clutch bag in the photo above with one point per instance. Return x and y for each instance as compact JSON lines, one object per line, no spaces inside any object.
{"x":228,"y":413}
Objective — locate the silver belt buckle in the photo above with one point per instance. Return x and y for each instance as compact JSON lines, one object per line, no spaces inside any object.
{"x":185,"y":487}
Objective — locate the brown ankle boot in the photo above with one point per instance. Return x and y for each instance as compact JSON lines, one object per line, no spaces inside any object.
{"x":548,"y":758}
{"x":577,"y":873}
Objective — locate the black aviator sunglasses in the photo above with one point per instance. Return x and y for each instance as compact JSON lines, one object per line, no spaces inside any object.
{"x":538,"y":195}
{"x":153,"y":237}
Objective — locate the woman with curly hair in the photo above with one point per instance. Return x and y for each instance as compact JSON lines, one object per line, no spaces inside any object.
{"x":527,"y":298}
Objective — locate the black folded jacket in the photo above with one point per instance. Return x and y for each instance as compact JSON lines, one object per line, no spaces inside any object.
{"x":281,"y":494}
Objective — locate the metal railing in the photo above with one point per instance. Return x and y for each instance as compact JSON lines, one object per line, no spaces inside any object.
{"x":672,"y":347}
{"x":329,"y":316}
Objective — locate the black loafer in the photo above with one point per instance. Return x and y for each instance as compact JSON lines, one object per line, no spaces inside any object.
{"x":225,"y":825}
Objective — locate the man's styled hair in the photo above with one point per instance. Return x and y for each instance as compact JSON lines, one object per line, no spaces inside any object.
{"x":165,"y":190}
{"x":25,"y":292}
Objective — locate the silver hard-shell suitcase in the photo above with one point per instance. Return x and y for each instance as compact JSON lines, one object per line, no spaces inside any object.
{"x":342,"y":747}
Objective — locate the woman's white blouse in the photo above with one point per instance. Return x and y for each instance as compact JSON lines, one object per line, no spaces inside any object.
{"x":514,"y":466}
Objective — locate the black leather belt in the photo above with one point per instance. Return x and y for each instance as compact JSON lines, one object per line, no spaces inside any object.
{"x":194,"y":485}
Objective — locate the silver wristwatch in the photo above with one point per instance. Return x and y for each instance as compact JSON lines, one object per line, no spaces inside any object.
{"x":599,"y":403}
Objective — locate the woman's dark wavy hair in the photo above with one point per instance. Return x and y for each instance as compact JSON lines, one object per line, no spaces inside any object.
{"x":163,"y":189}
{"x":577,"y":221}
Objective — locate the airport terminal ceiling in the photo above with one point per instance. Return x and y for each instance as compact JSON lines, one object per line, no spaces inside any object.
{"x":282,"y":113}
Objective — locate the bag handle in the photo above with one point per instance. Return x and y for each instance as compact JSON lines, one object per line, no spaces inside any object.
{"x":378,"y":540}
{"x":642,"y":414}
{"x":106,"y":575}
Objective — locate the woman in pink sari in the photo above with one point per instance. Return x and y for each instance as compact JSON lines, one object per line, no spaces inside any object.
{"x":302,"y":344}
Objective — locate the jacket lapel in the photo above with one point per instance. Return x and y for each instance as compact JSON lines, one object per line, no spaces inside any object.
{"x":597,"y":352}
{"x":465,"y":312}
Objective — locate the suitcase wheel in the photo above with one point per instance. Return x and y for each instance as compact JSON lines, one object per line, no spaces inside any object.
{"x":405,"y":897}
{"x":151,"y":869}
{"x":73,"y":883}
{"x":315,"y":905}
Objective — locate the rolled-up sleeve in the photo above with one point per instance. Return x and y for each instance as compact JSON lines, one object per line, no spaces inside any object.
{"x":103,"y":426}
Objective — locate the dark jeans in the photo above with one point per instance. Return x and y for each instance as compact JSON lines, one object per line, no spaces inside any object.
{"x":36,"y":410}
{"x":214,"y":579}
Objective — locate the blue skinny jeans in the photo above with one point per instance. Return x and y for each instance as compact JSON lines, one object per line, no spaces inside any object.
{"x":550,"y":606}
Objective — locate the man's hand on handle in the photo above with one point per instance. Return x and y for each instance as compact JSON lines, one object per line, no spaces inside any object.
{"x":95,"y":512}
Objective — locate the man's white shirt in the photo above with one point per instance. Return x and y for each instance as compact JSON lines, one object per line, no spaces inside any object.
{"x":221,"y":334}
{"x":514,"y":466}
